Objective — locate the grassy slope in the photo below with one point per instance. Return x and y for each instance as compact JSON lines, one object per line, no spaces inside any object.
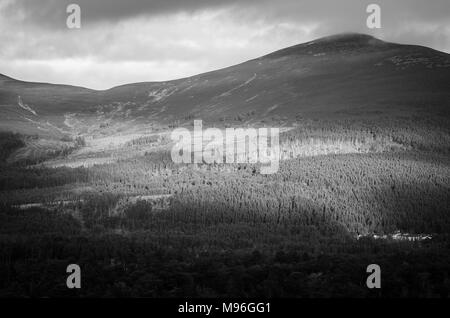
{"x":330,"y":77}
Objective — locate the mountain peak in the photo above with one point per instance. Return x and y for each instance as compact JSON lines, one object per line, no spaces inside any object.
{"x":338,"y":43}
{"x":349,"y":38}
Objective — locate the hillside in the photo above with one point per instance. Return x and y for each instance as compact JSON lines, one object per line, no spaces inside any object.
{"x":336,"y":76}
{"x":363,"y":177}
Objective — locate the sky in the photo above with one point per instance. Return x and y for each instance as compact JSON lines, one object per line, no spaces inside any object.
{"x":122,"y":42}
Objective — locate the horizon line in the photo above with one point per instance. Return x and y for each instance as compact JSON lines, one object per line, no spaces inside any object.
{"x":218,"y":69}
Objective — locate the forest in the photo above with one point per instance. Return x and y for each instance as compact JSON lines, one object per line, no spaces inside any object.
{"x":145,"y":226}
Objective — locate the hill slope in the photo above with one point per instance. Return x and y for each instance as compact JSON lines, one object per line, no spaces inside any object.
{"x":348,"y":74}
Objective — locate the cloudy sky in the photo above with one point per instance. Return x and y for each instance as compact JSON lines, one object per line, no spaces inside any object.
{"x":153,"y":40}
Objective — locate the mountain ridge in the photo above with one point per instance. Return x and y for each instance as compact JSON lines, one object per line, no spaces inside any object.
{"x":348,"y":37}
{"x":330,"y":76}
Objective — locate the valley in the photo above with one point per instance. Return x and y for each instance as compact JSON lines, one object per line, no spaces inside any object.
{"x":87,"y":177}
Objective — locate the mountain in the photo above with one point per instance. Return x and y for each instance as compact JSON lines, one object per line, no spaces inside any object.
{"x":341,"y":75}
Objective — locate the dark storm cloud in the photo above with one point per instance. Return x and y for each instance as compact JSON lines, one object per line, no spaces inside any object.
{"x":53,"y":12}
